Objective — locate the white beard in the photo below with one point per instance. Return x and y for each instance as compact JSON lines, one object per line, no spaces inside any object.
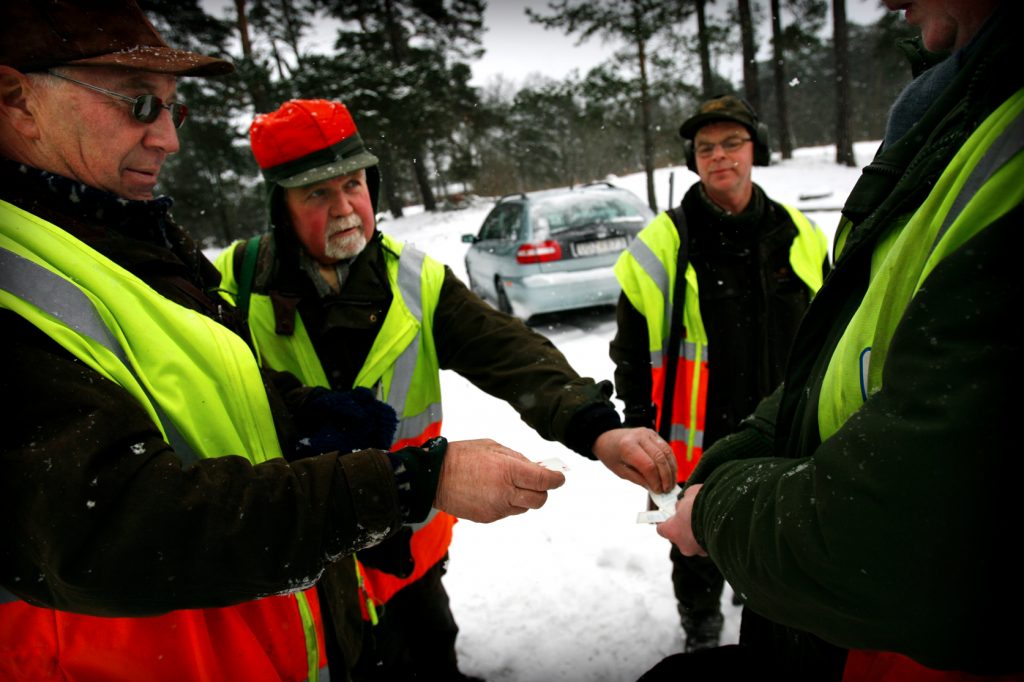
{"x":351,"y":245}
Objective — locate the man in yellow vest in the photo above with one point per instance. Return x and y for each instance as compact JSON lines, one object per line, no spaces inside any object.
{"x":712,"y":292}
{"x":343,"y":305}
{"x":153,"y":528}
{"x":871,"y":506}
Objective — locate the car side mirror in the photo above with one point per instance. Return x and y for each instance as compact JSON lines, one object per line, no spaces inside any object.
{"x":469,"y":239}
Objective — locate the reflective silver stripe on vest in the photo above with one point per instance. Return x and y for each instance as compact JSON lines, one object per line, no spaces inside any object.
{"x":62,"y":299}
{"x":410,"y":284}
{"x":688,"y":351}
{"x":999,"y":153}
{"x":680,"y":433}
{"x":655,"y":269}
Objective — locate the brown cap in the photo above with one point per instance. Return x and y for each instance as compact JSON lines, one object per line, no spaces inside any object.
{"x":39,"y":34}
{"x":720,"y":108}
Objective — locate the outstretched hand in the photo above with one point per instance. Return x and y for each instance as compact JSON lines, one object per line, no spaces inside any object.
{"x":639,"y":455}
{"x":679,"y":527}
{"x":483,"y":481}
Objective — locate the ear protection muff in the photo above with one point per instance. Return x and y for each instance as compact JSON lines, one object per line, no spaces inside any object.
{"x":762,"y":151}
{"x":688,"y":154}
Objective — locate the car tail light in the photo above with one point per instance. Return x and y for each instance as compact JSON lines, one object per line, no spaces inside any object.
{"x":539,"y":252}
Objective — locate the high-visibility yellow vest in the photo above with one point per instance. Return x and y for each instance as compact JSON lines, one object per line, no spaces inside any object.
{"x":201,"y":386}
{"x":980,"y":184}
{"x":401,"y":367}
{"x":647,"y":273}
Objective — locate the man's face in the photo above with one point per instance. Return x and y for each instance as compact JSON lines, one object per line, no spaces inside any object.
{"x":93,"y":138}
{"x":332,"y":218}
{"x":724,"y":173}
{"x":945,"y":24}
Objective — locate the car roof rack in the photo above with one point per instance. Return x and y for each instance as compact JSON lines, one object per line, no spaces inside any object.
{"x":514,"y":195}
{"x":595,"y":183}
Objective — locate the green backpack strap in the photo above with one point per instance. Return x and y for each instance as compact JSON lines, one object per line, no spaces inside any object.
{"x":252,"y":247}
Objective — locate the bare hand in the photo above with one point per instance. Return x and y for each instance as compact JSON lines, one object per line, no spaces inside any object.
{"x":484,"y":481}
{"x":679,"y":528}
{"x":639,"y":455}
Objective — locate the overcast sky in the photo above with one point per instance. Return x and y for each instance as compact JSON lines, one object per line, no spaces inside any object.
{"x":517,"y":48}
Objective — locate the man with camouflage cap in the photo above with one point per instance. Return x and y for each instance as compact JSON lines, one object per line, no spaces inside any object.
{"x":751,"y":267}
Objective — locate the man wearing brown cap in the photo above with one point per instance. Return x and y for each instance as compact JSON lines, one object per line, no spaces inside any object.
{"x":342,"y":304}
{"x":153,"y":526}
{"x":695,"y":352}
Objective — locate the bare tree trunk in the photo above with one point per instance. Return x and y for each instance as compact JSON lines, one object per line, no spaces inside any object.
{"x":419,"y":168}
{"x":844,"y":143}
{"x":645,"y":118}
{"x":706,"y":82}
{"x":291,"y":31}
{"x":277,"y":60}
{"x":243,"y":28}
{"x":750,"y":86}
{"x":387,"y":179}
{"x":779,"y":63}
{"x":252,"y":75}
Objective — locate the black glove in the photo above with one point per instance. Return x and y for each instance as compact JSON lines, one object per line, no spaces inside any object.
{"x":343,"y":421}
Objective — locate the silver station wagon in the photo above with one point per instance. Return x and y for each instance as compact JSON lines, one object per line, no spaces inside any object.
{"x":554,"y":250}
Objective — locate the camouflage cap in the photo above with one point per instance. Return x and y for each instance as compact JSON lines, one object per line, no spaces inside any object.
{"x":717,"y":109}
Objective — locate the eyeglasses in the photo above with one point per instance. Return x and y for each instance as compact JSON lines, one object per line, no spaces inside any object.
{"x":729,"y":145}
{"x":145,"y":108}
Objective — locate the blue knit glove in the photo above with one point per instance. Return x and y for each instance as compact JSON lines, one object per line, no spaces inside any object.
{"x":344,"y":421}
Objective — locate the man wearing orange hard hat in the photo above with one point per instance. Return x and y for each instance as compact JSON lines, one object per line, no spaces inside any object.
{"x":341,"y":304}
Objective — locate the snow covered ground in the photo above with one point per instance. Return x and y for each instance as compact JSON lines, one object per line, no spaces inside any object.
{"x":578,"y":590}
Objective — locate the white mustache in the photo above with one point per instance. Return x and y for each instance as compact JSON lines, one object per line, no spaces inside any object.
{"x":344,"y":223}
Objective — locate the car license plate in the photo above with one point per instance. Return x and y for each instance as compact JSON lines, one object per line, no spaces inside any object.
{"x":598,"y":247}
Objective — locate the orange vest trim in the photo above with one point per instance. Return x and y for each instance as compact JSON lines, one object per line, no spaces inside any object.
{"x":885,"y":666}
{"x":688,"y":409}
{"x":428,"y":546}
{"x":259,"y":640}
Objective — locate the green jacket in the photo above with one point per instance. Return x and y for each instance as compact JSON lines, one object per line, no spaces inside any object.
{"x":73,"y":440}
{"x":171,"y":360}
{"x":888,"y":529}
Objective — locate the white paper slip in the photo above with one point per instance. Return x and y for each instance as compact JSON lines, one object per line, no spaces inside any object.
{"x":554,"y":464}
{"x":666,"y":506}
{"x":666,"y":502}
{"x":656,"y":516}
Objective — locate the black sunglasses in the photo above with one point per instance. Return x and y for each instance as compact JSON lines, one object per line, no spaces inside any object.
{"x":145,"y":108}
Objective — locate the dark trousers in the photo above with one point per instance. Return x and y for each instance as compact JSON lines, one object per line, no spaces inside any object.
{"x":767,"y":651}
{"x":415,"y":636}
{"x":697,"y":583}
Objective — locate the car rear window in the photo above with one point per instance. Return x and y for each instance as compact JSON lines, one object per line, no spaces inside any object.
{"x":569,"y":212}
